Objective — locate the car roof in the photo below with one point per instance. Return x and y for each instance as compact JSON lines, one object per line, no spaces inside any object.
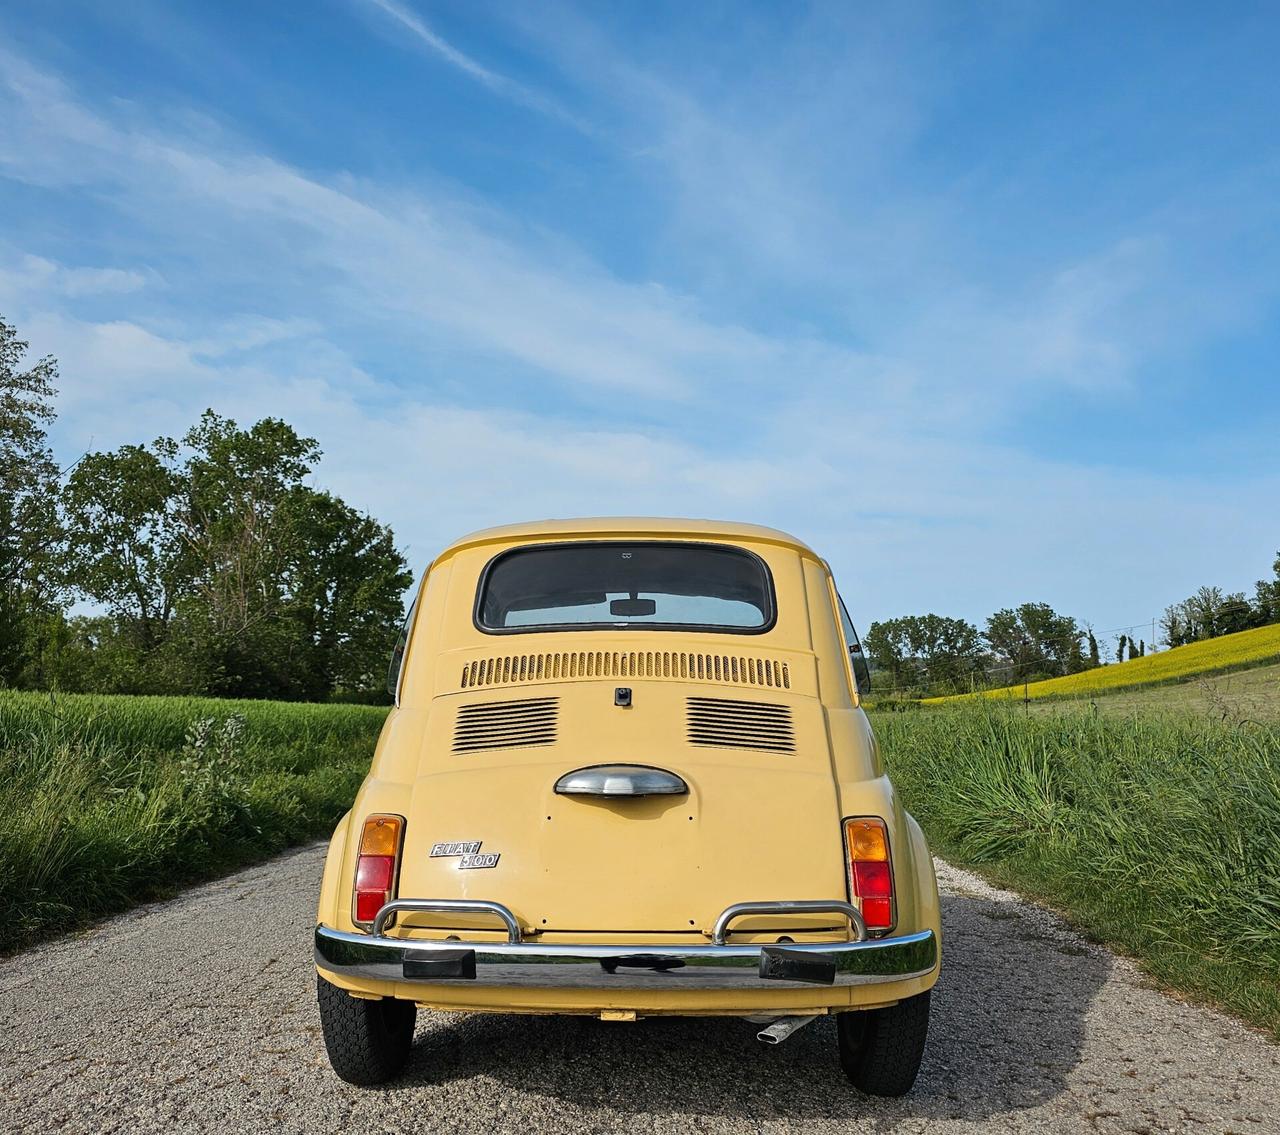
{"x":646,"y":527}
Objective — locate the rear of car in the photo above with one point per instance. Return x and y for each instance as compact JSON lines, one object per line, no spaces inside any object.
{"x":628,"y":775}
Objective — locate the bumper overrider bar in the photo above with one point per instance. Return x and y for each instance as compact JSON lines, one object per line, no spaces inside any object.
{"x":720,"y":965}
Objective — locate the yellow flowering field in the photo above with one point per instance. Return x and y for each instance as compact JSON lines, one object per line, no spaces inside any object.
{"x":1227,"y":652}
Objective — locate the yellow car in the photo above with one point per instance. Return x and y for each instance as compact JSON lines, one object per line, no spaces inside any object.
{"x":627,"y":775}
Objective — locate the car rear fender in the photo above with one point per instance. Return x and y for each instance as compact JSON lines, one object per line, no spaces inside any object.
{"x":915,"y":887}
{"x":332,"y":891}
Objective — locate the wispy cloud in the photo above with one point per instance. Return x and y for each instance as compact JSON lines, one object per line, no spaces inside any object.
{"x":902,"y":536}
{"x":801,"y":177}
{"x":503,"y":85}
{"x":39,"y":274}
{"x":427,"y":260}
{"x":812,"y":341}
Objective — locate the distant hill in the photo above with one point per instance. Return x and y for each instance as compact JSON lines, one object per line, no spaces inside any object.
{"x":1211,"y":656}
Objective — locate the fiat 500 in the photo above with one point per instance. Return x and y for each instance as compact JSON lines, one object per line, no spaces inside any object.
{"x":627,"y":774}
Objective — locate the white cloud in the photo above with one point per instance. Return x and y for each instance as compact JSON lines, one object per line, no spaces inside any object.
{"x":424,"y":261}
{"x":409,"y":20}
{"x":797,"y":171}
{"x":529,"y":381}
{"x":35,"y":273}
{"x":911,"y":520}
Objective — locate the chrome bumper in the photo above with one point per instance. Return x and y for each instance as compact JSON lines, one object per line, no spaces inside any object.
{"x":717,"y":966}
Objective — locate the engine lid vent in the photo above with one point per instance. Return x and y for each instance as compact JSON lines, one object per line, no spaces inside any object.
{"x":730,"y":724}
{"x":734,"y":669}
{"x":506,"y":725}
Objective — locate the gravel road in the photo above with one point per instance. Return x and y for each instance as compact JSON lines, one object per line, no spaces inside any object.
{"x":199,"y":1014}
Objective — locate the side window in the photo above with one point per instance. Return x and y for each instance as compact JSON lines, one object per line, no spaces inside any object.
{"x":861,"y":671}
{"x":397,"y":655}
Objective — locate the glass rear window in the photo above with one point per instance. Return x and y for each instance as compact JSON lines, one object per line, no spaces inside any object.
{"x":640,"y":585}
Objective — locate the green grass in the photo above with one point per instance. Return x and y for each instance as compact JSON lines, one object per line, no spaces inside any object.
{"x":1252,"y":694}
{"x":1160,"y":836}
{"x":1211,"y":656}
{"x":107,"y":801}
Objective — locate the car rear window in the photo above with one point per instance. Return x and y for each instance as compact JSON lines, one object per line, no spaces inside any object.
{"x":635,"y":585}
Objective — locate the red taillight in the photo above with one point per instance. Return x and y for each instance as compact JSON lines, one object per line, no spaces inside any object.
{"x":866,"y":843}
{"x":376,"y":866}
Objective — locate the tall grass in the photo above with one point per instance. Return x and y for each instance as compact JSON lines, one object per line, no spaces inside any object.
{"x":106,"y":801}
{"x":1161,"y":836}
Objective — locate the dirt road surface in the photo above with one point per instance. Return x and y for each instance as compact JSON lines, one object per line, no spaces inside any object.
{"x":199,"y":1015}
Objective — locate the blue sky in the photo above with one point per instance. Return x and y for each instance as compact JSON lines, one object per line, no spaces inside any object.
{"x":983,"y":303}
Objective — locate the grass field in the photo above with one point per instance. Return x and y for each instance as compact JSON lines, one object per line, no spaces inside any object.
{"x":1214,"y":655}
{"x":1160,"y":835}
{"x":1157,"y":835}
{"x":107,"y":801}
{"x":1236,"y":695}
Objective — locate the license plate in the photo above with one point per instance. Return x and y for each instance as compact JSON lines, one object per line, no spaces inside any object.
{"x":440,"y":964}
{"x":780,"y":964}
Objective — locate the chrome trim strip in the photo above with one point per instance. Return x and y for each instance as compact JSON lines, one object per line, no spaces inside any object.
{"x":620,"y":780}
{"x":791,"y":906}
{"x":447,"y":906}
{"x":528,"y":964}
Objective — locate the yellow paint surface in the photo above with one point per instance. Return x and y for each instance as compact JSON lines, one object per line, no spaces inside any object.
{"x":755,"y":825}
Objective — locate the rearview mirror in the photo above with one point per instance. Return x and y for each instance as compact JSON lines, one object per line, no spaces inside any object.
{"x":633,"y":607}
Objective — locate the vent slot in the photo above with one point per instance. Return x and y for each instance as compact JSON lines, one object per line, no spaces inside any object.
{"x":520,"y":724}
{"x":729,"y":724}
{"x":737,"y":670}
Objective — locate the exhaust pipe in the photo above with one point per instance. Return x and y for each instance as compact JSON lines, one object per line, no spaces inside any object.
{"x":782,"y":1028}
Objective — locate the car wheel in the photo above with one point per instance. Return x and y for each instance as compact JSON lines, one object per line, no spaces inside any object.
{"x":881,"y":1049}
{"x":367,"y":1041}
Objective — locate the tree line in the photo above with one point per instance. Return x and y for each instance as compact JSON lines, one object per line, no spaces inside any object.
{"x":206,"y":564}
{"x":934,"y":654}
{"x":1209,"y":613}
{"x":202,"y":564}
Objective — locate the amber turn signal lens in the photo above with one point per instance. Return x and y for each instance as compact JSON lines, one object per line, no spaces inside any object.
{"x":866,"y":840}
{"x":381,"y":836}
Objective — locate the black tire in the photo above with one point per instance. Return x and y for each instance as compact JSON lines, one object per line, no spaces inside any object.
{"x":881,"y":1049}
{"x":367,"y":1041}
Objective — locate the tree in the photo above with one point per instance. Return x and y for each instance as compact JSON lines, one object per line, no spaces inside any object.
{"x":889,"y":653}
{"x":1202,"y":612}
{"x":1123,"y":642}
{"x":1033,"y":639}
{"x":30,"y":535}
{"x":129,"y":556}
{"x":226,"y":574}
{"x":345,"y":595}
{"x":1235,"y":614}
{"x":1266,"y":601}
{"x":1173,"y":624}
{"x":930,"y":651}
{"x":1094,"y":659}
{"x":1209,"y":613}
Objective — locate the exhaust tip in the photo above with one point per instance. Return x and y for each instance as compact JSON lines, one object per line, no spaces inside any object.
{"x":783,"y":1027}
